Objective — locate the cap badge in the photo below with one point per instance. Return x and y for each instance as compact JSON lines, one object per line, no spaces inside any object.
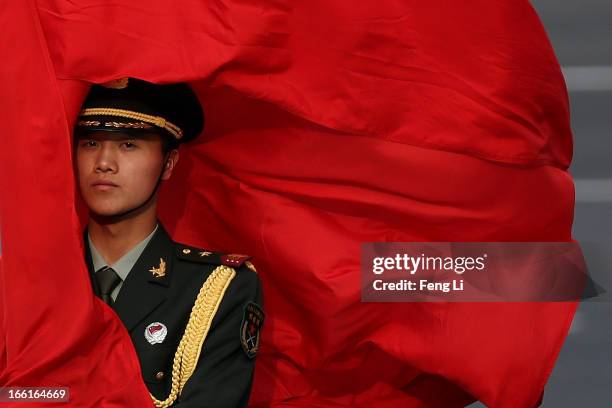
{"x":120,"y":83}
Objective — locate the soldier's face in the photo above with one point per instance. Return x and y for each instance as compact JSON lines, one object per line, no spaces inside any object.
{"x":117,"y":172}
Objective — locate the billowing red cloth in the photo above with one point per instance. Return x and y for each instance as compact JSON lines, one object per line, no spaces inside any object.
{"x":53,"y":332}
{"x":329,"y":123}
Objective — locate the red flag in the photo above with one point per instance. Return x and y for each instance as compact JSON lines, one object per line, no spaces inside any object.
{"x":53,"y":332}
{"x":2,"y":325}
{"x":328,"y":125}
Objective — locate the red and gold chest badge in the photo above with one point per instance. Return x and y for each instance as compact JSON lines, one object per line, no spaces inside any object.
{"x":249,"y":329}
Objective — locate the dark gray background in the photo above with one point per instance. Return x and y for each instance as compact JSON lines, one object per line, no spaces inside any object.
{"x":581,"y":33}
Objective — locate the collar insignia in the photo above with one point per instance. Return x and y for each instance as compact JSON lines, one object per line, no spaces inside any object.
{"x":160,"y":271}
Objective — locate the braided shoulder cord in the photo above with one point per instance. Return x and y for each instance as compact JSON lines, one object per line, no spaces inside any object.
{"x":206,"y":305}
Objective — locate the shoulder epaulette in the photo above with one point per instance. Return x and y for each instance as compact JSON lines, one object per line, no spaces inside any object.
{"x":195,"y":254}
{"x":234,"y":260}
{"x":250,"y":265}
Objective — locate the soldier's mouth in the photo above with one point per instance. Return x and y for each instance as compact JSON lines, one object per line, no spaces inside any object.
{"x":103,"y":185}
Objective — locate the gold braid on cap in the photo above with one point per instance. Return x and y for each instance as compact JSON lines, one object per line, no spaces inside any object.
{"x":158,"y":121}
{"x":201,"y":317}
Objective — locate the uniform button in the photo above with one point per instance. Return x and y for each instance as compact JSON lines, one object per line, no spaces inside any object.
{"x":160,"y":375}
{"x":186,"y":251}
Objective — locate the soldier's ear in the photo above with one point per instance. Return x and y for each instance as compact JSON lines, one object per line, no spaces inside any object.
{"x":171,"y":159}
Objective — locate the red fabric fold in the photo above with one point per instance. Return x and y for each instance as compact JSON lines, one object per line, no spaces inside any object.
{"x":54,"y":333}
{"x":330,"y":124}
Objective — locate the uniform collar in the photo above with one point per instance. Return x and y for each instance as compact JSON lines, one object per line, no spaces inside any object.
{"x":124,"y":265}
{"x":143,"y":291}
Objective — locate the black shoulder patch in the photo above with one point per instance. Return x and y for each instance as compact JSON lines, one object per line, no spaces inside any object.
{"x":252,"y":321}
{"x":193,"y":254}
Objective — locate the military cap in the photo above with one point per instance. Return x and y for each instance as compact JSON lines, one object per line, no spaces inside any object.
{"x":133,"y":105}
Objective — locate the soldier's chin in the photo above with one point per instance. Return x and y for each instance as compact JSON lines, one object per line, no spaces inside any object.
{"x":106,"y":211}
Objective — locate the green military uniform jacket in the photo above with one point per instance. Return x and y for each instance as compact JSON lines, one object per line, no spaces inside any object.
{"x":155,"y":303}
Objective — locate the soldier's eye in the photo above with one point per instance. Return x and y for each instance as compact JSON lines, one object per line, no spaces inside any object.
{"x":128,"y":145}
{"x":89,"y":143}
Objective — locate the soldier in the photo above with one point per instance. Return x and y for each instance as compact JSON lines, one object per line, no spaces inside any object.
{"x":194,"y":315}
